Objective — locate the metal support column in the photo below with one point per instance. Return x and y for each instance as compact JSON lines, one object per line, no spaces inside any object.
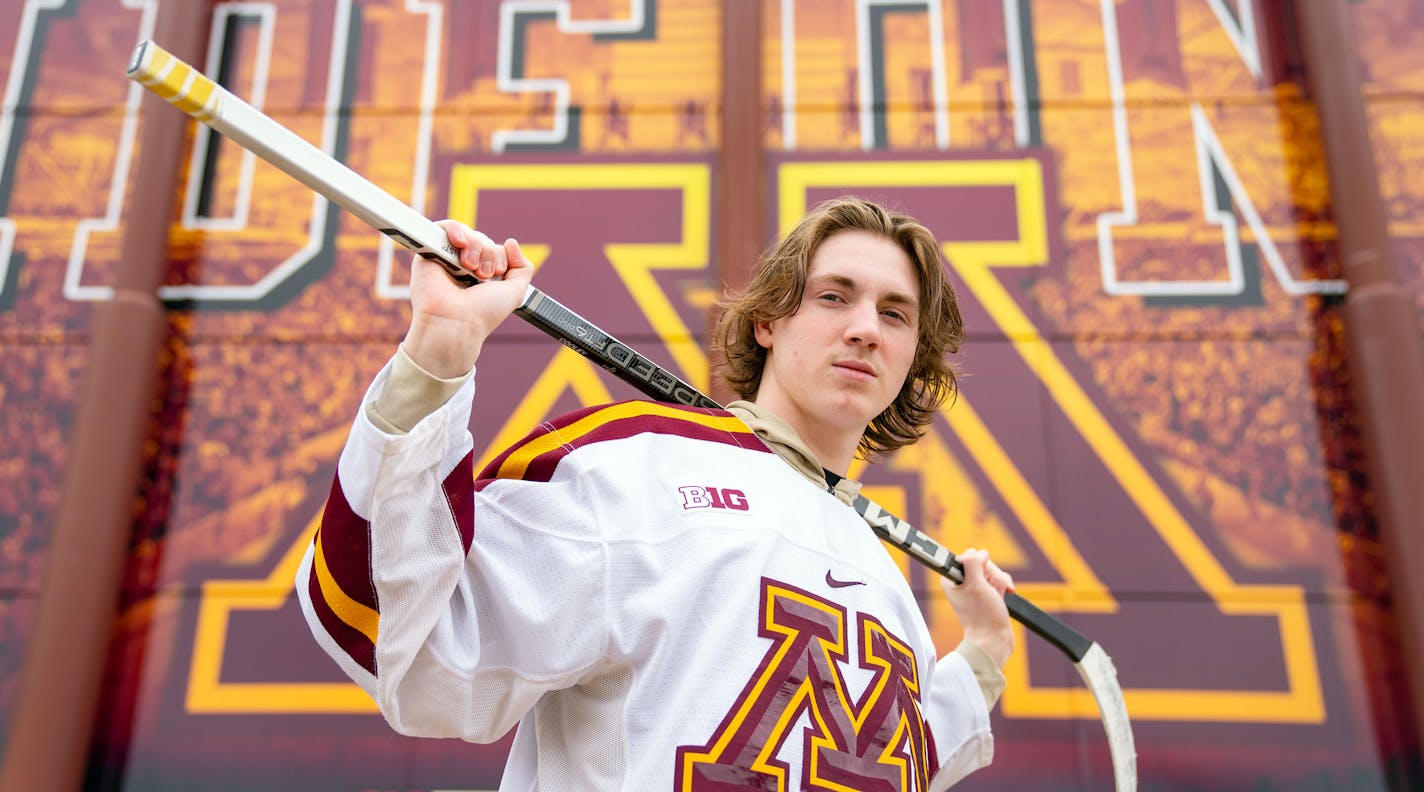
{"x":741,"y":180}
{"x":1382,"y":326}
{"x":52,"y":723}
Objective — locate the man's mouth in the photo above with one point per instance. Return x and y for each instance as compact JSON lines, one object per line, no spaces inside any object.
{"x":856,"y":366}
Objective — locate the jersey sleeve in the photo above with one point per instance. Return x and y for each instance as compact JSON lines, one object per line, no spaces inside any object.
{"x":455,"y":607}
{"x":959,"y":720}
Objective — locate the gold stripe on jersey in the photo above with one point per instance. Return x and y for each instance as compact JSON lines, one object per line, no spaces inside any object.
{"x":358,"y":616}
{"x":517,"y":462}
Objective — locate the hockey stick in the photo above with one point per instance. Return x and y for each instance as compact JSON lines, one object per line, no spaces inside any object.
{"x":205,"y":100}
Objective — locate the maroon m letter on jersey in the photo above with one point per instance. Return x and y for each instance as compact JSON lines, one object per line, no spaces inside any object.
{"x":877,"y":743}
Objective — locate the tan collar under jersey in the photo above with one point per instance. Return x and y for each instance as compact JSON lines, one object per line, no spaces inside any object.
{"x":788,"y":445}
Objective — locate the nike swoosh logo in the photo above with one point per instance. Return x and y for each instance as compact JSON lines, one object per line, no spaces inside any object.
{"x":833,"y":583}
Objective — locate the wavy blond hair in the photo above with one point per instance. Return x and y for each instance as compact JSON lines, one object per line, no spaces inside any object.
{"x":776,"y":291}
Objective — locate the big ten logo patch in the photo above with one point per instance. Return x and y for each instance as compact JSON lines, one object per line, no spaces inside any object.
{"x":695,"y":497}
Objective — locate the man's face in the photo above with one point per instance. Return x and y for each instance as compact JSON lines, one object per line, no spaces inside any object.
{"x":841,"y":358}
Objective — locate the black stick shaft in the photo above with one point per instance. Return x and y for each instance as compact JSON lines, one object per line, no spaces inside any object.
{"x":585,"y":338}
{"x":923,"y":548}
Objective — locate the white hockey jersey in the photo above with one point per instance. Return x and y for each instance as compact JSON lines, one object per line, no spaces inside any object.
{"x":656,"y":599}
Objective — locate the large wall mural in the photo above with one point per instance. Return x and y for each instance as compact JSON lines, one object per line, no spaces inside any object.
{"x":1155,"y":434}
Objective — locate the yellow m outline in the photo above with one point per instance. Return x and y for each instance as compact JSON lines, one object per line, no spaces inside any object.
{"x":1081,"y":591}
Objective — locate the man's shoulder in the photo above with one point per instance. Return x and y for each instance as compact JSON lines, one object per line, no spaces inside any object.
{"x":536,"y":456}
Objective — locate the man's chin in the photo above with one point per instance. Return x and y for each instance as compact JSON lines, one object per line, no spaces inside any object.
{"x":853,"y":412}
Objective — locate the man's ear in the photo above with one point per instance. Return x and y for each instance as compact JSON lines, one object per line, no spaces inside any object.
{"x":762,"y":332}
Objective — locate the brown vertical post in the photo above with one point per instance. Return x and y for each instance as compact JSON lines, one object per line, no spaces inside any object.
{"x":1386,"y":353}
{"x":53,"y":720}
{"x":741,"y":191}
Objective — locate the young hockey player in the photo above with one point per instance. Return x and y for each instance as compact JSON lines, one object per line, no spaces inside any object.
{"x":664,"y":597}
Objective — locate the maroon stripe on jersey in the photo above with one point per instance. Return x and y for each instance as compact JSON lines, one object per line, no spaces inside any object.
{"x":542,"y":429}
{"x":542,"y":467}
{"x":346,"y":546}
{"x":460,"y":493}
{"x":932,"y":752}
{"x":356,"y":646}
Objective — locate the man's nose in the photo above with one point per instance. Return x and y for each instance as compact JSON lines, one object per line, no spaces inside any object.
{"x":863,"y":325}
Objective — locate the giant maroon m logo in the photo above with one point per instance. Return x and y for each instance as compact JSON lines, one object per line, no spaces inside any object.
{"x":876,"y":743}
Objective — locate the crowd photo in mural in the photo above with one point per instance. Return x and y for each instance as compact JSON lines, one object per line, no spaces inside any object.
{"x":1154,"y":433}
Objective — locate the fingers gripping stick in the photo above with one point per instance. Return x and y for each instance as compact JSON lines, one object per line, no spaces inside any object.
{"x":200,"y":97}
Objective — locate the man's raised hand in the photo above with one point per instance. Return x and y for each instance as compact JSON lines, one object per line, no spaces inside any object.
{"x":449,"y":323}
{"x":979,"y":604}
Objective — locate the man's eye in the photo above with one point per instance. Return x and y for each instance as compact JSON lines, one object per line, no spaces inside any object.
{"x":832,"y":297}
